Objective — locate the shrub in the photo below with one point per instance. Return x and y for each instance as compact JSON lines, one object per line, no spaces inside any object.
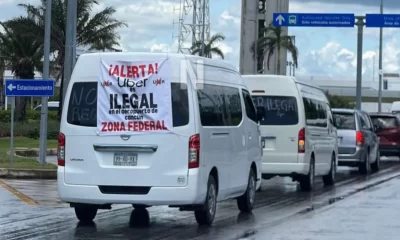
{"x":5,"y":116}
{"x":30,"y":129}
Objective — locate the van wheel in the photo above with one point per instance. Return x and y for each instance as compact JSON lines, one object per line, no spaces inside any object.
{"x":206,"y":215}
{"x":86,"y":213}
{"x":364,"y":165}
{"x":376,"y":165}
{"x":307,"y":181}
{"x":329,"y":179}
{"x":245,"y":202}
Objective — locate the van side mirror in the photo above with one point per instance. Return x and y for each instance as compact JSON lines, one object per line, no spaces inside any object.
{"x":260,"y":113}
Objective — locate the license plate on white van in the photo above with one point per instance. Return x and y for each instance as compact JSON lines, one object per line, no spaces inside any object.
{"x":125,"y":159}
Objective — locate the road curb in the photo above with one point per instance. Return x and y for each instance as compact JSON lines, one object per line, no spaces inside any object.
{"x":49,"y":174}
{"x":33,"y":152}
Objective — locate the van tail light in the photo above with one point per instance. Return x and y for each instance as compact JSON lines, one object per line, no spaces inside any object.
{"x":302,"y":141}
{"x":359,"y":138}
{"x":61,"y":150}
{"x":194,"y":151}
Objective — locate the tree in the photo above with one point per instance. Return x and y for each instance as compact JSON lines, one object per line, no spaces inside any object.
{"x":105,"y":44}
{"x":92,"y":29}
{"x":273,"y":40}
{"x":23,"y":54}
{"x":339,"y":101}
{"x":209,"y":47}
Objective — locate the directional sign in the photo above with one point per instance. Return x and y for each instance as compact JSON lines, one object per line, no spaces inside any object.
{"x":29,"y":88}
{"x":313,"y":20}
{"x":382,"y":20}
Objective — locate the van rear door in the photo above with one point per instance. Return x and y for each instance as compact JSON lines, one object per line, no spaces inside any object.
{"x":279,"y":128}
{"x":155,"y":159}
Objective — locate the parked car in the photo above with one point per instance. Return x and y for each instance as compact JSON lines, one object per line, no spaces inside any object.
{"x":387,"y":127}
{"x":358,"y":142}
{"x":52,"y":106}
{"x":298,"y":133}
{"x":157,"y":136}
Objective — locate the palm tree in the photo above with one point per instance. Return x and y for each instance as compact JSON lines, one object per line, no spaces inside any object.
{"x":22,"y":54}
{"x":91,"y":28}
{"x":273,"y":40}
{"x":105,"y":44}
{"x":209,"y":47}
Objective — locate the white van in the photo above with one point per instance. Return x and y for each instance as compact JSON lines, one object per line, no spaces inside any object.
{"x":395,"y":109}
{"x":211,"y":151}
{"x":297,"y":132}
{"x":52,"y":106}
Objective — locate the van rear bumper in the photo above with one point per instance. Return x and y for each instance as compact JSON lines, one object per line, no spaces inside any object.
{"x":284,"y":169}
{"x":89,"y":194}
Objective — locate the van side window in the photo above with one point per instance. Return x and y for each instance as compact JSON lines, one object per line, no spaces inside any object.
{"x":315,"y":112}
{"x":249,"y":105}
{"x":82,"y":107}
{"x":219,"y":105}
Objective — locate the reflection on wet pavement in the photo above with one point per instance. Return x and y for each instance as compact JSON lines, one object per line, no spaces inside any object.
{"x":368,"y":215}
{"x":279,"y":200}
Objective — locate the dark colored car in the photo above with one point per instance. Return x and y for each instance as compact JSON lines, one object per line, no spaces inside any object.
{"x":387,"y":126}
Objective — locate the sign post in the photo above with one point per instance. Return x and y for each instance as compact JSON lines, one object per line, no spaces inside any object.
{"x":381,"y":21}
{"x":360,"y":27}
{"x":12,"y":133}
{"x":25,"y":88}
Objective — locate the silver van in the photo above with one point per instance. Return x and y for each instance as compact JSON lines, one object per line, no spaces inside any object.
{"x":357,"y":140}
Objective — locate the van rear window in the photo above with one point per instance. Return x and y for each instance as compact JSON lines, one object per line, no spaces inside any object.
{"x":347,"y":120}
{"x":279,"y":110}
{"x":82,"y":107}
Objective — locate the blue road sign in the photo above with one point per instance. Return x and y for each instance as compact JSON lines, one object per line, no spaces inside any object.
{"x":29,"y":88}
{"x":313,"y":20}
{"x":382,"y":20}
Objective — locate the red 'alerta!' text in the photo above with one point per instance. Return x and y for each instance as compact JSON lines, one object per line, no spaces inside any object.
{"x":133,"y":71}
{"x":134,"y":126}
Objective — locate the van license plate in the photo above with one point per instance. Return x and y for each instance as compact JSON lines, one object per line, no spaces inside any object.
{"x":125,"y":159}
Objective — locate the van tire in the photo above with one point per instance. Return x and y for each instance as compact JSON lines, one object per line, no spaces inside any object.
{"x":329,"y":179}
{"x":245,"y":202}
{"x":86,"y":213}
{"x":307,"y":181}
{"x":206,"y":215}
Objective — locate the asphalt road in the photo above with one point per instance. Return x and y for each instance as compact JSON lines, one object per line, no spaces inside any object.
{"x":37,"y":213}
{"x":368,"y":215}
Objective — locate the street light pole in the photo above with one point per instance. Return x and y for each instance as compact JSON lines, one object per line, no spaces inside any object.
{"x":204,"y":29}
{"x":380,"y":65}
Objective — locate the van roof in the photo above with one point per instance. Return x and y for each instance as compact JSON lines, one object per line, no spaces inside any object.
{"x":137,"y":55}
{"x":214,"y":70}
{"x":281,"y":78}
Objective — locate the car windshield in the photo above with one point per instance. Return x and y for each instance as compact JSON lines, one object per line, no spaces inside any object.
{"x":383,"y":122}
{"x":345,"y":121}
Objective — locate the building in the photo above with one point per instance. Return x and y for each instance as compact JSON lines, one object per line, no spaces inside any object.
{"x":256,"y":14}
{"x":347,"y":87}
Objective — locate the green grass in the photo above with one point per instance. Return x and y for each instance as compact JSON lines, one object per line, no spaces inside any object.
{"x":20,"y":162}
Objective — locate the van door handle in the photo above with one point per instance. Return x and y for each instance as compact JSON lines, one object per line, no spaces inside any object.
{"x":268,"y":137}
{"x":220,"y":133}
{"x":125,"y":148}
{"x":316,"y":134}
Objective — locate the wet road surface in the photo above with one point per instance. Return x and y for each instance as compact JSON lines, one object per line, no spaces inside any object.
{"x":368,"y":215}
{"x":279,"y":202}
